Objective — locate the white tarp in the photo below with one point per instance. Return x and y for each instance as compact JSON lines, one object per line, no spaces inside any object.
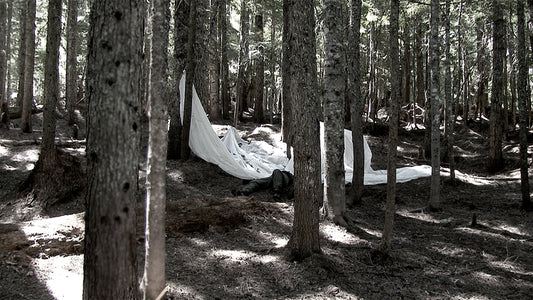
{"x":257,"y":159}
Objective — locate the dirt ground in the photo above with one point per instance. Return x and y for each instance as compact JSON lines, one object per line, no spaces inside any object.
{"x":241,"y":254}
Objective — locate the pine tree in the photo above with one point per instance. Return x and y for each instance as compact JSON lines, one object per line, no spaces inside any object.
{"x":113,"y":85}
{"x":304,"y":239}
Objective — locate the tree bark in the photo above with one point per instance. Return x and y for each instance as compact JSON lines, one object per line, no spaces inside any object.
{"x":154,"y":266}
{"x":448,"y":128}
{"x":434,"y":200}
{"x":523,"y":108}
{"x":181,"y":13}
{"x":29,"y":65}
{"x":495,"y":160}
{"x":304,"y":239}
{"x":356,"y":104}
{"x":3,"y":56}
{"x":224,"y":91}
{"x":259,"y":63}
{"x":242,"y":78}
{"x":394,"y":60}
{"x":21,"y":54}
{"x":286,"y":102}
{"x":189,"y":79}
{"x":71,"y":85}
{"x":113,"y":84}
{"x":334,"y":88}
{"x":214,"y":62}
{"x":51,"y":79}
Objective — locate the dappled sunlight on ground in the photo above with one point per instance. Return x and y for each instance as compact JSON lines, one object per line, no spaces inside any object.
{"x":63,"y":275}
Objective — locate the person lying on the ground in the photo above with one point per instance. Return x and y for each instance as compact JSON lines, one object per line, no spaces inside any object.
{"x":280,"y":181}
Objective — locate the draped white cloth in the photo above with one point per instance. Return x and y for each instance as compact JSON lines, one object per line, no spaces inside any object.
{"x":258,"y":159}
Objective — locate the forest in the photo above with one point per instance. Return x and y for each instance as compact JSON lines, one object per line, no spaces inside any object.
{"x":126,"y":129}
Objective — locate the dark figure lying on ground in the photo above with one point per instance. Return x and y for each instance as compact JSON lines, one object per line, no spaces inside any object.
{"x":279,"y":181}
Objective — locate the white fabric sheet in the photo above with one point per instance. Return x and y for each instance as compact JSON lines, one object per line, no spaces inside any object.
{"x":257,"y":159}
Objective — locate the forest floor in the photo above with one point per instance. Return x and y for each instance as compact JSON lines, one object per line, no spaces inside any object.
{"x":435,"y":255}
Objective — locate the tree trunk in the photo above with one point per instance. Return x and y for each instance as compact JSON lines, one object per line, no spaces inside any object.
{"x":113,"y":85}
{"x":214,"y":62}
{"x":189,"y":79}
{"x":356,"y":104}
{"x":434,"y":200}
{"x":29,"y":65}
{"x":259,"y":63}
{"x":334,"y":88}
{"x":495,"y":160}
{"x":242,"y":81}
{"x":71,"y":76}
{"x":3,"y":56}
{"x":51,"y":78}
{"x":273,"y":60}
{"x":154,"y":266}
{"x":522,"y":106}
{"x":406,"y":94}
{"x":224,"y":92}
{"x":304,"y":239}
{"x":286,"y":102}
{"x":448,"y":96}
{"x":21,"y":54}
{"x":181,"y":13}
{"x":394,"y":60}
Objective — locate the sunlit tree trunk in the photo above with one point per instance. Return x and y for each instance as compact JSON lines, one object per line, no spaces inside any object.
{"x":3,"y":56}
{"x":522,"y":104}
{"x":304,"y":239}
{"x":334,"y":88}
{"x":154,"y":266}
{"x":29,"y":65}
{"x":113,"y":85}
{"x":394,"y":60}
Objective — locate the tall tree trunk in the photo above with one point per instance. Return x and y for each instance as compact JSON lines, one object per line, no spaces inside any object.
{"x":181,"y":18}
{"x":224,"y":67}
{"x":189,"y":79}
{"x":29,"y":65}
{"x":71,"y":85}
{"x":21,"y":54}
{"x":523,"y":108}
{"x":51,"y":83}
{"x":4,"y":105}
{"x":434,"y":42}
{"x":495,"y":160}
{"x":214,"y":61}
{"x":272,"y":98}
{"x":3,"y":57}
{"x":154,"y":266}
{"x":286,"y":100}
{"x":406,"y":88}
{"x":512,"y":70}
{"x":259,"y":63}
{"x":304,"y":239}
{"x":356,"y":103}
{"x":113,"y":81}
{"x":448,"y":128}
{"x":242,"y":81}
{"x":334,"y":88}
{"x":394,"y":60}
